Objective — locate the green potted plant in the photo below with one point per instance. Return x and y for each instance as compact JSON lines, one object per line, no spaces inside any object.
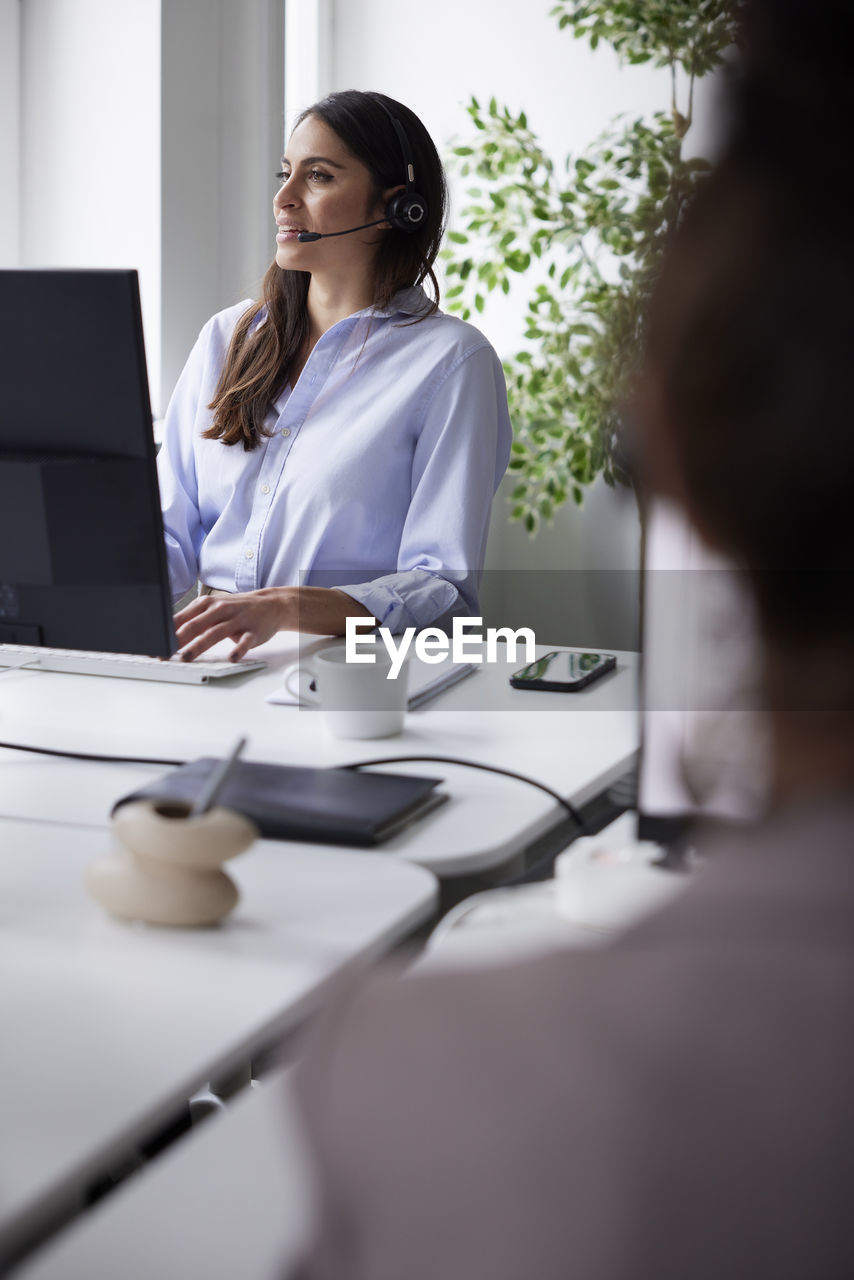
{"x":584,"y":239}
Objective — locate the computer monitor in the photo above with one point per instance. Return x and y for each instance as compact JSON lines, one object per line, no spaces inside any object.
{"x":703,"y":750}
{"x":82,"y":555}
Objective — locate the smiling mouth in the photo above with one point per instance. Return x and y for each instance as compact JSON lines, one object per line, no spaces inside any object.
{"x":287,"y":232}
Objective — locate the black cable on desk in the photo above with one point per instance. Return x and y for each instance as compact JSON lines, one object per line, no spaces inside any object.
{"x":487,"y":768}
{"x":84,"y":755}
{"x":359,"y":764}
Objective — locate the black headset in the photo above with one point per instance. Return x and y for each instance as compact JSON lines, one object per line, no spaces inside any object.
{"x":407,"y":211}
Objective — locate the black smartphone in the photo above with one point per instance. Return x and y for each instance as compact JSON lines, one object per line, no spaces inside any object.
{"x":562,"y":672}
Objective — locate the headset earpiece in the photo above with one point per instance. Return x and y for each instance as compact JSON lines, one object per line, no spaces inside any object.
{"x":406,"y":211}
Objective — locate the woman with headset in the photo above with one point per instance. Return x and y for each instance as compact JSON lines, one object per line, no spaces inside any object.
{"x":333,"y":449}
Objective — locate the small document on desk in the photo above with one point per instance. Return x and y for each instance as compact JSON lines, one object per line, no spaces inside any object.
{"x":426,"y":681}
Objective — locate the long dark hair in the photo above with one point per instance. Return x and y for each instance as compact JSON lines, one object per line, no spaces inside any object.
{"x":259,"y":358}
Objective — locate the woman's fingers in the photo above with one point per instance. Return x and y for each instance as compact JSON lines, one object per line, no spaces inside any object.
{"x":205,"y":640}
{"x":194,"y":609}
{"x":198,"y":617}
{"x":244,"y":644}
{"x":247,"y":620}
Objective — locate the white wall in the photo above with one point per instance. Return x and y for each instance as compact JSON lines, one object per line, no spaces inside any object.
{"x":433,"y":58}
{"x":308,"y":54}
{"x":149,"y":132}
{"x":10,"y":129}
{"x":223,"y":124}
{"x":90,"y":141}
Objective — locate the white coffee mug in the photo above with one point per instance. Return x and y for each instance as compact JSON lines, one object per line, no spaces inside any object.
{"x":358,"y":699}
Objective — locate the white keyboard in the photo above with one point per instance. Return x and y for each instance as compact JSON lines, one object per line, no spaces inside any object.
{"x":132,"y":666}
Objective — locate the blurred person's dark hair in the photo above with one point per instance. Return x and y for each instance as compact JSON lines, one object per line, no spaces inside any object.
{"x":750,"y":340}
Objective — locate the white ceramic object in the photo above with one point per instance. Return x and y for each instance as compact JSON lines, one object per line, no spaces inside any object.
{"x":168,"y":870}
{"x":357,"y":699}
{"x":611,"y":887}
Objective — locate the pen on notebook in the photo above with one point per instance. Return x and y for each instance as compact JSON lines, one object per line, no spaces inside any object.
{"x":217,"y":780}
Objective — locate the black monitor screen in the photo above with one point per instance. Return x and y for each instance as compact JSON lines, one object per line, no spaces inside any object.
{"x":82,"y":557}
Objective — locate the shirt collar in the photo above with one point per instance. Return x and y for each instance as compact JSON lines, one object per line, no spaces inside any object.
{"x":412,"y":301}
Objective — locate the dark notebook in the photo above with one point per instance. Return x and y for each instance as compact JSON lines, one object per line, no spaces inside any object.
{"x":286,"y":802}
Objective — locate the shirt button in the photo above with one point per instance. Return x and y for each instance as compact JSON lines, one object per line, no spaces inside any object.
{"x":286,"y":431}
{"x":265,"y":488}
{"x":249,"y":553}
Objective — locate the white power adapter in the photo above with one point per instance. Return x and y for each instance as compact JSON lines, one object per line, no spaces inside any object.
{"x":608,"y":886}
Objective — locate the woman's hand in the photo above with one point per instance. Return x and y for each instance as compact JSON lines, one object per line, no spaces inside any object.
{"x":248,"y":620}
{"x":254,"y":617}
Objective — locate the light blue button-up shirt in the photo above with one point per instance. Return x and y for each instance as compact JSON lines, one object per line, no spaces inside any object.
{"x":377,"y":474}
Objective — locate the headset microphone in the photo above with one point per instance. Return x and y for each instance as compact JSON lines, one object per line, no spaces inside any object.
{"x":306,"y":237}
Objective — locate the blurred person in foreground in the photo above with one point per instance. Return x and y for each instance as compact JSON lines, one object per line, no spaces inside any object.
{"x":680,"y":1105}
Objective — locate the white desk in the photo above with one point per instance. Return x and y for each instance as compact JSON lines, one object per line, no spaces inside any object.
{"x":576,"y":743}
{"x":230,"y":1202}
{"x":107,"y":1027}
{"x":234,"y":1198}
